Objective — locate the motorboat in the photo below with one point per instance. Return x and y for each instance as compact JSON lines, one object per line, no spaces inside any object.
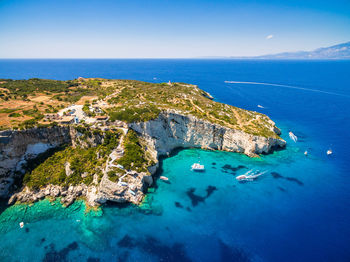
{"x":260,"y":106}
{"x":293,"y":137}
{"x":250,"y":175}
{"x":21,"y":224}
{"x":329,"y":152}
{"x":305,"y":153}
{"x":164,"y":178}
{"x":197,"y":167}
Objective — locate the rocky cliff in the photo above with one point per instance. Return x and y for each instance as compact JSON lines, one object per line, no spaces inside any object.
{"x":18,"y":147}
{"x":170,"y":130}
{"x":174,"y":130}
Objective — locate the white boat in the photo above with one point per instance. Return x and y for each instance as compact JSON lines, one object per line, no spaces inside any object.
{"x":21,"y":224}
{"x":293,"y":137}
{"x":164,"y":178}
{"x":260,"y":106}
{"x":329,"y":152}
{"x":305,"y":153}
{"x":250,"y":176}
{"x":197,"y":167}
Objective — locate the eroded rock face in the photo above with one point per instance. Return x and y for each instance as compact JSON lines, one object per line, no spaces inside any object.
{"x":17,"y":147}
{"x":173,"y":130}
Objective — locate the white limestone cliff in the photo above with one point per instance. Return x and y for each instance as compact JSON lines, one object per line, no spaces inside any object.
{"x":169,"y":131}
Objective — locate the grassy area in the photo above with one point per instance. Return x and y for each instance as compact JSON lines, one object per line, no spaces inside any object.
{"x":134,"y":114}
{"x":141,"y":101}
{"x":129,"y":101}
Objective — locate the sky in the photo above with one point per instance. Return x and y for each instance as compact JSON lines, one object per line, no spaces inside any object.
{"x":168,"y":29}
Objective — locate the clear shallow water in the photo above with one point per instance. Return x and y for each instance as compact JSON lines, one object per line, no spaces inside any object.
{"x":300,"y":213}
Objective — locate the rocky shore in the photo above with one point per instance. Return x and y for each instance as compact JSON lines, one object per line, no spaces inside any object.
{"x":171,"y":130}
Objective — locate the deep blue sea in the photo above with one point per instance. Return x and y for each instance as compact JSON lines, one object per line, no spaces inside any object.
{"x":298,"y":211}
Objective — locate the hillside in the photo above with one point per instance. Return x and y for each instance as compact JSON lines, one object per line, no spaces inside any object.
{"x":24,"y":103}
{"x":101,"y":139}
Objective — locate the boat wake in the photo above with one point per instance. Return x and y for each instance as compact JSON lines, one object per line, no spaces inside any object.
{"x":287,"y":86}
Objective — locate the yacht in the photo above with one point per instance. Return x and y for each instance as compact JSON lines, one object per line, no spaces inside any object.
{"x":329,"y":152}
{"x":197,"y":167}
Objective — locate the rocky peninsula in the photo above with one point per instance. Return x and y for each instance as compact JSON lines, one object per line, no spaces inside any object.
{"x":103,"y":139}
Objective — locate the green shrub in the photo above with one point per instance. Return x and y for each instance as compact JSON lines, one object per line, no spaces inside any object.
{"x":15,"y":115}
{"x":134,"y":156}
{"x":134,"y":114}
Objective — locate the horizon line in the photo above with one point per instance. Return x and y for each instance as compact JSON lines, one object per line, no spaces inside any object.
{"x":170,"y":58}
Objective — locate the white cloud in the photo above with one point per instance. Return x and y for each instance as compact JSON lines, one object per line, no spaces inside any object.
{"x":269,"y":37}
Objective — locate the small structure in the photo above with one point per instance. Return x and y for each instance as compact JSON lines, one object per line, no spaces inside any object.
{"x":101,"y":118}
{"x":118,"y":123}
{"x":76,"y":120}
{"x":66,"y":120}
{"x":169,"y":83}
{"x":132,"y":192}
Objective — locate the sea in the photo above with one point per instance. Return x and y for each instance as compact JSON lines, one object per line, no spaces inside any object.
{"x":298,"y":210}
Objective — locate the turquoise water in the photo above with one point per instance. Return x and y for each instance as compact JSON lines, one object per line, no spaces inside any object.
{"x":297,"y":211}
{"x":237,"y":220}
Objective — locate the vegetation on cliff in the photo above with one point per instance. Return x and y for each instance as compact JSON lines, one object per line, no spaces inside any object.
{"x":134,"y":157}
{"x":82,"y":163}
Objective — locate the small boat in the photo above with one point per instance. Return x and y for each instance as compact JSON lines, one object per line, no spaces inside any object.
{"x":260,"y":106}
{"x":21,"y":224}
{"x":164,"y":178}
{"x":305,"y":153}
{"x":329,"y":152}
{"x":250,"y":176}
{"x":293,"y":137}
{"x":197,"y":167}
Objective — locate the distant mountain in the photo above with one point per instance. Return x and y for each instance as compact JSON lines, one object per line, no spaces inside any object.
{"x":341,"y":51}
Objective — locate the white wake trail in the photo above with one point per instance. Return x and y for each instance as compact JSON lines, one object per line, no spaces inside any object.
{"x":286,"y":86}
